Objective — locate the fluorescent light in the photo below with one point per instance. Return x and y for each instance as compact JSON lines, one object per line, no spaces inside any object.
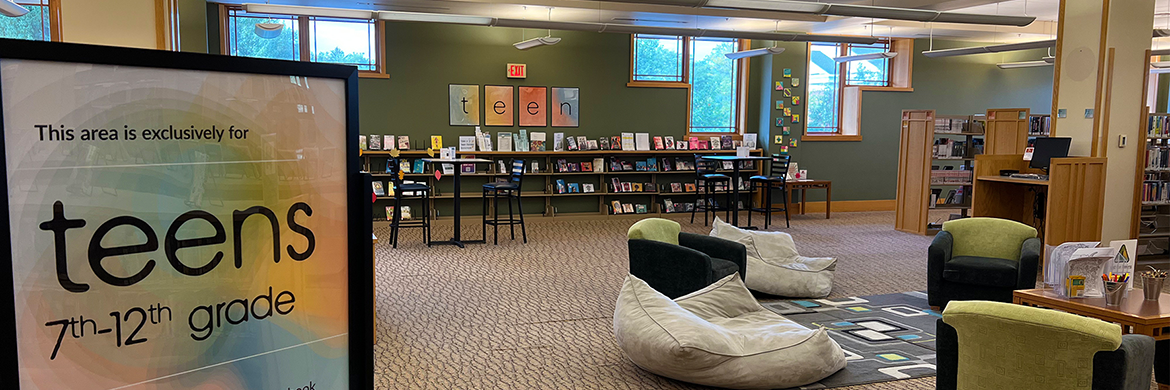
{"x":536,"y":42}
{"x":755,"y":52}
{"x":1161,"y":32}
{"x":268,"y":30}
{"x":870,"y":56}
{"x":435,"y":18}
{"x":1160,"y":64}
{"x":9,"y":8}
{"x":308,"y":11}
{"x":1023,"y":64}
{"x":1049,"y":59}
{"x":1160,"y":52}
{"x":989,"y":49}
{"x":862,"y":11}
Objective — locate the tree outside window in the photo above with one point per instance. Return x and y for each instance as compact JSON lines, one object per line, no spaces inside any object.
{"x":307,"y":38}
{"x":825,"y":82}
{"x":35,"y":25}
{"x":714,"y":80}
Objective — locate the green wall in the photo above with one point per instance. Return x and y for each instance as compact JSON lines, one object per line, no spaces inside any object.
{"x":868,"y":169}
{"x":422,"y":59}
{"x":193,"y":26}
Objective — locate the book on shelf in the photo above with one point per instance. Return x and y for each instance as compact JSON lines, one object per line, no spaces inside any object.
{"x":388,"y":142}
{"x":521,"y":143}
{"x":658,"y":144}
{"x":616,"y":206}
{"x":467,"y":142}
{"x":714,"y":142}
{"x":640,"y":208}
{"x":558,"y":142}
{"x":362,"y":143}
{"x":627,"y":166}
{"x":420,"y":166}
{"x":676,"y":187}
{"x":1159,"y":126}
{"x":668,"y":142}
{"x":389,"y":213}
{"x":650,"y":187}
{"x":501,"y":167}
{"x":652,"y":164}
{"x":641,"y":141}
{"x":535,"y":167}
{"x":603,"y":143}
{"x":640,"y":166}
{"x":690,"y":187}
{"x":628,"y":208}
{"x":682,"y":145}
{"x":504,"y":139}
{"x":636,"y":187}
{"x":627,"y":187}
{"x":592,"y":144}
{"x":448,"y":169}
{"x":587,"y":188}
{"x":616,"y":142}
{"x":667,"y":205}
{"x":436,"y":142}
{"x":404,"y":166}
{"x":487,"y":142}
{"x":598,"y":164}
{"x":405,"y":213}
{"x":561,"y":186}
{"x":538,"y":142}
{"x":582,"y":143}
{"x":749,"y":140}
{"x":404,"y":142}
{"x":467,"y":167}
{"x":616,"y":185}
{"x":586,"y":166}
{"x":375,"y":142}
{"x":571,"y":143}
{"x":378,"y":189}
{"x":726,"y":142}
{"x":694,"y":143}
{"x":574,"y":188}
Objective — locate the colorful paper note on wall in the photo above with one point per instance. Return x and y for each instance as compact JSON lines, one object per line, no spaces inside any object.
{"x":779,"y":104}
{"x":780,"y":122}
{"x":792,"y":142}
{"x":498,"y":105}
{"x":464,"y":104}
{"x":787,"y":93}
{"x":795,"y":118}
{"x":779,"y":140}
{"x":795,"y":82}
{"x":779,"y":86}
{"x":787,"y":131}
{"x":784,"y":150}
{"x":796,"y":100}
{"x":787,"y":72}
{"x":787,"y":111}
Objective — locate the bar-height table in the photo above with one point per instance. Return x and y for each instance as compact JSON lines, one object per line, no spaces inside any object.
{"x":456,"y":239}
{"x":734,"y":183}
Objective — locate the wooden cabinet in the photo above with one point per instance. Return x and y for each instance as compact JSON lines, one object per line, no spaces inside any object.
{"x":1072,"y":198}
{"x":1007,"y":130}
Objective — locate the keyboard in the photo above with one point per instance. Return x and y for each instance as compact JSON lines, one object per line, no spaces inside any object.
{"x":1032,"y":176}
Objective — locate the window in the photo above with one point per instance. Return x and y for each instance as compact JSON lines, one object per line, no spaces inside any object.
{"x":36,"y":25}
{"x":826,"y":85}
{"x":355,"y":42}
{"x":716,"y":83}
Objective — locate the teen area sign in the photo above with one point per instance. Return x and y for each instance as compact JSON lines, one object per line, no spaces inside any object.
{"x":181,"y":221}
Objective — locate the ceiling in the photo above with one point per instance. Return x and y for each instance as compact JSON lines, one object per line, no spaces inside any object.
{"x":1045,"y":27}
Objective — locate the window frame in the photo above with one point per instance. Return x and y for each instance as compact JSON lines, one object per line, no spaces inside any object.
{"x":740,"y":109}
{"x":54,"y":8}
{"x":305,"y":42}
{"x":898,"y":79}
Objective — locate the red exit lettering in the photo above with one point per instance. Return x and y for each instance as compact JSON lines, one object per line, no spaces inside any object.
{"x":517,"y":71}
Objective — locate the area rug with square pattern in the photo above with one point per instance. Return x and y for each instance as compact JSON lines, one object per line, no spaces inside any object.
{"x":885,"y":337}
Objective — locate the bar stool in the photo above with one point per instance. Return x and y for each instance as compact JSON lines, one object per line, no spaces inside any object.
{"x":417,"y":191}
{"x":708,"y":172}
{"x":507,"y":191}
{"x":777,"y":172}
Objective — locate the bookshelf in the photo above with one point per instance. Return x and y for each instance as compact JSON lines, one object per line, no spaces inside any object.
{"x":1039,"y":125}
{"x":1153,"y":191}
{"x":540,"y":194}
{"x":935,"y":162}
{"x":1007,"y":130}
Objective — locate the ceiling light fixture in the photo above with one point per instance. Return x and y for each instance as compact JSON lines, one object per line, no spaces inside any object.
{"x":869,"y":56}
{"x":1161,"y":32}
{"x":309,"y":11}
{"x":1160,"y":64}
{"x":268,"y":30}
{"x":862,"y":11}
{"x":1160,"y":52}
{"x":435,"y":18}
{"x":962,"y":51}
{"x":1049,"y":59}
{"x":1022,"y":64}
{"x":10,"y":8}
{"x":755,"y":52}
{"x":536,"y":42}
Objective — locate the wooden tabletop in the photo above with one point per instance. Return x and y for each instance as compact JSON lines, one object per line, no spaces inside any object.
{"x":1017,"y":180}
{"x":1133,"y":308}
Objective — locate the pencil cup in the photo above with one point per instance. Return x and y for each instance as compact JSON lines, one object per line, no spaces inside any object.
{"x":1152,"y":287}
{"x":1114,"y":291}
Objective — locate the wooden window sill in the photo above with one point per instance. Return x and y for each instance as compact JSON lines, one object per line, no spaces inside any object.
{"x":886,"y":89}
{"x":835,"y":137}
{"x":372,"y":75}
{"x":658,"y":84}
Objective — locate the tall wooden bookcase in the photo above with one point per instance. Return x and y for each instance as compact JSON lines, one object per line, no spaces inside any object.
{"x":921,"y":170}
{"x":1152,"y":218}
{"x":1007,"y":130}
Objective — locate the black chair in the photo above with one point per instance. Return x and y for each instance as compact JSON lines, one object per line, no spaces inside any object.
{"x":507,"y":190}
{"x":417,"y":191}
{"x":775,"y":179}
{"x":707,"y":171}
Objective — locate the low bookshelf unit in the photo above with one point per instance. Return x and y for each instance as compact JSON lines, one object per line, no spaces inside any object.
{"x":935,"y":168}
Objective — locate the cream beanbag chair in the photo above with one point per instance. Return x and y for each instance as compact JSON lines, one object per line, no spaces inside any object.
{"x":720,"y":336}
{"x":774,"y":267}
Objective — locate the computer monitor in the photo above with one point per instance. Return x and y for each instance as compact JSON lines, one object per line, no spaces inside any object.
{"x":1047,"y":148}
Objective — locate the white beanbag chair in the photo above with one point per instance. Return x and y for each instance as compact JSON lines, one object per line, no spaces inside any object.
{"x":720,"y":336}
{"x":774,"y":267}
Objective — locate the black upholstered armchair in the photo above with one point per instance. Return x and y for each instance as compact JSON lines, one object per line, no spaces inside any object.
{"x":981,"y":259}
{"x":677,"y":263}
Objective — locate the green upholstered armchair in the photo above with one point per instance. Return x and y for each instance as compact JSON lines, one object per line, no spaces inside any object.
{"x":993,"y":345}
{"x":676,"y":263}
{"x":981,"y":259}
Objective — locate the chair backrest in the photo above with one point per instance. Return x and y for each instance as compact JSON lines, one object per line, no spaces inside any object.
{"x":778,"y":165}
{"x":517,"y":171}
{"x":704,"y":166}
{"x":657,"y":229}
{"x":1003,"y":341}
{"x":392,"y":169}
{"x":988,"y":237}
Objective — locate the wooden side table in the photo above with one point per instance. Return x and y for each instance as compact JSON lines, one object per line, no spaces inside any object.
{"x":1135,"y":315}
{"x":805,"y":185}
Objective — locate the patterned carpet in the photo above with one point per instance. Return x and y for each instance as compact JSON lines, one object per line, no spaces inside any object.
{"x":539,"y":316}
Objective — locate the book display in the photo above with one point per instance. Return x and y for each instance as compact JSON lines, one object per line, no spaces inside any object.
{"x":556,"y":181}
{"x":1153,"y":193}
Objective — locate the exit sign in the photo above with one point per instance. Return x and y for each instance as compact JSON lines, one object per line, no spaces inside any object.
{"x":517,"y":71}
